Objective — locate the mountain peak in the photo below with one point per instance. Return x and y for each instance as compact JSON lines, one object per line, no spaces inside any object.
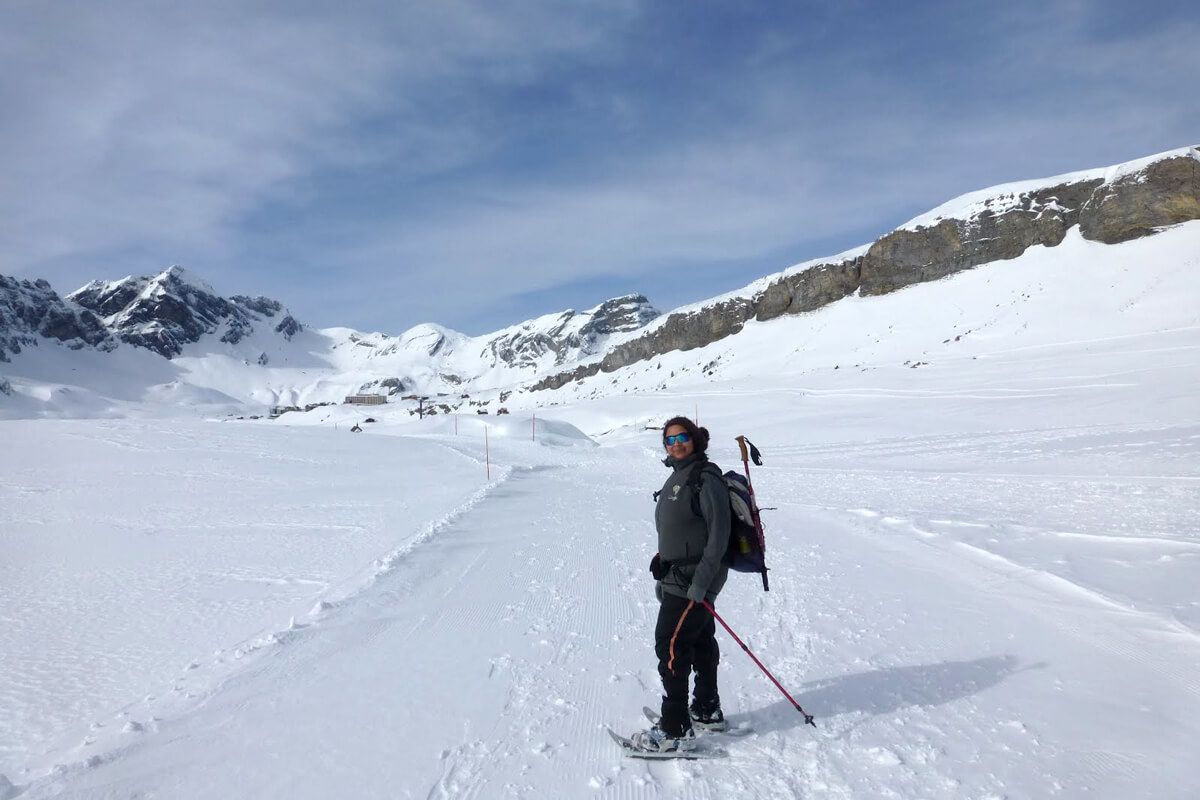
{"x":175,"y":308}
{"x":619,"y":315}
{"x":178,"y":277}
{"x":554,"y":339}
{"x":32,"y":309}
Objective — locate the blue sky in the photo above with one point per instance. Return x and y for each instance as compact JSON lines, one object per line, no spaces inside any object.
{"x":381,"y":164}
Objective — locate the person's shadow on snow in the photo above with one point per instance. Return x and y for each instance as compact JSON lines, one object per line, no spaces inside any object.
{"x":885,"y":691}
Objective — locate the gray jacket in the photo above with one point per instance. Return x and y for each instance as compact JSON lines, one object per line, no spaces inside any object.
{"x":693,"y":544}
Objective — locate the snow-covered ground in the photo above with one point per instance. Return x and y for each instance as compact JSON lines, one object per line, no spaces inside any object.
{"x":985,"y":560}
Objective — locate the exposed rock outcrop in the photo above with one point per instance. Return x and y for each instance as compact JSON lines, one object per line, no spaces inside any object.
{"x":682,"y":331}
{"x":618,"y":315}
{"x":809,"y":290}
{"x":288,"y":327}
{"x":1166,"y":192}
{"x":389,"y":386}
{"x":569,"y":335}
{"x":172,"y":309}
{"x":560,"y":379}
{"x":1131,"y":203}
{"x":904,"y":257}
{"x":526,"y":347}
{"x":30,"y":310}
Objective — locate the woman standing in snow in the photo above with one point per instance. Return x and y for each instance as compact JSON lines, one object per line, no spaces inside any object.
{"x":692,"y":518}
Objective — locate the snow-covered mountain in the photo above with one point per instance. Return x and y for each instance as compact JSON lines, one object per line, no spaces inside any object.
{"x":535,"y":345}
{"x":31,"y":312}
{"x":175,"y":308}
{"x":252,"y":352}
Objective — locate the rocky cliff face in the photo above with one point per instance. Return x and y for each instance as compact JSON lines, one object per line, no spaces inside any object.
{"x":570,"y":335}
{"x":1133,"y":203}
{"x":30,"y":310}
{"x":810,"y":289}
{"x":1109,"y":206}
{"x":1166,"y":192}
{"x":682,"y":332}
{"x":1005,"y":228}
{"x":619,"y":315}
{"x":165,"y":312}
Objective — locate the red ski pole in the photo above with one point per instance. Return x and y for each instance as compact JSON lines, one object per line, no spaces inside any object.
{"x":807,"y":717}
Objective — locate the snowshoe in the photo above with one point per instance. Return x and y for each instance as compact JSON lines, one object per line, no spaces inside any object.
{"x":655,"y":739}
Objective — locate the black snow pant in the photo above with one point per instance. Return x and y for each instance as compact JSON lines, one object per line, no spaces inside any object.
{"x":685,"y":639}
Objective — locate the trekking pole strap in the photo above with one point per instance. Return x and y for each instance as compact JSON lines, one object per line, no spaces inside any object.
{"x":808,"y":719}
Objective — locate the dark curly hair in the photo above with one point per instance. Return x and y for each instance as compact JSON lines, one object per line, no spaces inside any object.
{"x":697,"y":434}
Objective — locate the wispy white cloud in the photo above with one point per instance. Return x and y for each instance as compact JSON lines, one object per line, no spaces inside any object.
{"x":144,"y":125}
{"x":799,"y":163}
{"x":377,"y":164}
{"x":148,"y":128}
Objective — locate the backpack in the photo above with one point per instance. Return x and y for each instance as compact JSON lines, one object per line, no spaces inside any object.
{"x":745,"y":552}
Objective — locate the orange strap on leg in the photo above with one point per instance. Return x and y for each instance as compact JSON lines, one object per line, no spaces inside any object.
{"x":675,"y":635}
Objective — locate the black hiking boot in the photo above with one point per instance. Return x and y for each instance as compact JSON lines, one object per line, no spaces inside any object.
{"x":708,"y":716}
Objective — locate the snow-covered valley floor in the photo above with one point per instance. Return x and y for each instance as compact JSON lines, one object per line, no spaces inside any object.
{"x":984,"y":585}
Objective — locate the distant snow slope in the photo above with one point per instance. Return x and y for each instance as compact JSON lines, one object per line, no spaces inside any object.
{"x":1068,"y":296}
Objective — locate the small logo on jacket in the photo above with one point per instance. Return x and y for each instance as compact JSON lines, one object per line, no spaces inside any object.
{"x":675,"y":492}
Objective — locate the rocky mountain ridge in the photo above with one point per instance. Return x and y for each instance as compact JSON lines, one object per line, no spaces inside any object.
{"x":166,"y":313}
{"x":571,"y":335}
{"x":1110,"y":206}
{"x":31,"y":311}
